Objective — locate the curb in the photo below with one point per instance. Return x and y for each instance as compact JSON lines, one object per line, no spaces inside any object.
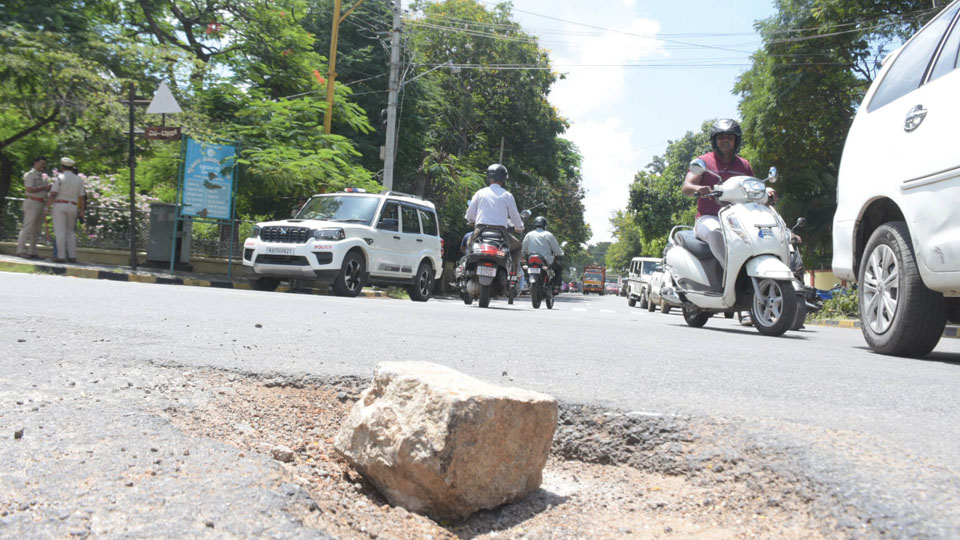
{"x":948,"y":332}
{"x":93,"y":273}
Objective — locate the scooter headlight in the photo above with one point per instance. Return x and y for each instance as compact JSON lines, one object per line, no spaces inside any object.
{"x":734,"y":225}
{"x":755,"y":189}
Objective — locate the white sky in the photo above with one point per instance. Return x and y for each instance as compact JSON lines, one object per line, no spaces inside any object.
{"x":622,"y":116}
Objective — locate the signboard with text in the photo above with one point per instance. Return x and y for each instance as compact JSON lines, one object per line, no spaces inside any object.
{"x":207,"y":187}
{"x":163,"y":133}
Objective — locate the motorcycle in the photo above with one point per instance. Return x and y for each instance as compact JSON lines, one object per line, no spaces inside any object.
{"x":486,"y":271}
{"x":540,"y":279}
{"x":810,"y":302}
{"x":758,"y":277}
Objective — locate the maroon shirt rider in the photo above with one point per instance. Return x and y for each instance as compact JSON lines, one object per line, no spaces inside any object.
{"x":708,"y":206}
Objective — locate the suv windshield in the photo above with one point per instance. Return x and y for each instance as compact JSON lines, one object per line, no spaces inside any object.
{"x":649,"y":267}
{"x":355,"y":209}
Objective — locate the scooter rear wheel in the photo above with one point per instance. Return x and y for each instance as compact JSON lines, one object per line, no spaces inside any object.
{"x":695,"y":317}
{"x":484,"y":296}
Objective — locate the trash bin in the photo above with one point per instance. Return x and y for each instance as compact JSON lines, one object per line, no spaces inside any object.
{"x":162,"y":218}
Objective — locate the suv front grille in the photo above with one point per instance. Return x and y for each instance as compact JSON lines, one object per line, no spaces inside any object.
{"x":288,"y":260}
{"x":286,"y":235}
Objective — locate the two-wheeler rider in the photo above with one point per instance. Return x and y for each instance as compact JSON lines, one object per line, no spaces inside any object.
{"x":495,"y":207}
{"x":725,"y":138}
{"x":541,"y":242}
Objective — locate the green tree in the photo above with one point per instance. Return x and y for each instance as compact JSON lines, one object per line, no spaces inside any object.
{"x":799,"y":98}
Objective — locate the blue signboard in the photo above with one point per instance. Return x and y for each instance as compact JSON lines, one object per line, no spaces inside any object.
{"x":207,"y":192}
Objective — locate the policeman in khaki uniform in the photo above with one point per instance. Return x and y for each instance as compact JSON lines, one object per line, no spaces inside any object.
{"x":33,"y":205}
{"x":67,"y":197}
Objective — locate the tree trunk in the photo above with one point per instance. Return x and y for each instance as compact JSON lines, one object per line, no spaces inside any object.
{"x":6,"y":178}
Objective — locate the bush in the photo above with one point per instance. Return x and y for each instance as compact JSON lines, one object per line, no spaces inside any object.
{"x":844,"y":305}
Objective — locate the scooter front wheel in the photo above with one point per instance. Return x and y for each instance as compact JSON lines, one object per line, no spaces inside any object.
{"x":774,"y":309}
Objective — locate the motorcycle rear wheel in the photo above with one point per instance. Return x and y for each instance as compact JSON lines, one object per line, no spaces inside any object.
{"x":548,"y":296}
{"x":535,"y":295}
{"x":484,"y":296}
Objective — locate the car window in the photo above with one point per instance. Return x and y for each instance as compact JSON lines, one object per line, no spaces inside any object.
{"x":389,"y":217}
{"x":907,"y":71}
{"x":428,"y":220}
{"x":948,"y":56}
{"x":410,"y":222}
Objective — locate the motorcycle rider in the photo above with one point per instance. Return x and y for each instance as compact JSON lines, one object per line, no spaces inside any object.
{"x":725,"y":138}
{"x":541,"y":242}
{"x":495,"y":207}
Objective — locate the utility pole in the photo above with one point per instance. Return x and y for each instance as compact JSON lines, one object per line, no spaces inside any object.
{"x":391,"y":143}
{"x":133,"y":189}
{"x":332,"y":73}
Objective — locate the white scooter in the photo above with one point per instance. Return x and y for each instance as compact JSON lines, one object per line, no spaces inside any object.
{"x":758,"y":276}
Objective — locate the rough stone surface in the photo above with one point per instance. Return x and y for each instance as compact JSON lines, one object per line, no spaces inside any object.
{"x":441,"y":443}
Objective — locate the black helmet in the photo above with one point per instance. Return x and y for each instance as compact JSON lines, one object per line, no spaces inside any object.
{"x":497,"y":173}
{"x":540,"y":223}
{"x":726,"y":125}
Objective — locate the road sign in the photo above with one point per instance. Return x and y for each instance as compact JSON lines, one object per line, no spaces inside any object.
{"x":207,"y":191}
{"x":163,"y":102}
{"x":163,"y":133}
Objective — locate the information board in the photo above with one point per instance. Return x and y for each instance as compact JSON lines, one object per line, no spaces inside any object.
{"x":207,"y":192}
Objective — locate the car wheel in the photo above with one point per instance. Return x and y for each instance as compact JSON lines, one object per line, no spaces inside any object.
{"x":484,"y":296}
{"x":695,"y":317}
{"x":644,"y":300}
{"x":349,"y":282}
{"x":664,"y":307}
{"x":727,"y":314}
{"x":650,"y":305}
{"x":422,"y":288}
{"x":631,"y":301}
{"x":265,"y":284}
{"x":899,"y":315}
{"x":775,"y":308}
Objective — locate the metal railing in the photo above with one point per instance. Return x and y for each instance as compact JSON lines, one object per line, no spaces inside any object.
{"x":109,"y":228}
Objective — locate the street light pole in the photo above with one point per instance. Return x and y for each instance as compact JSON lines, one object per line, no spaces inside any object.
{"x":133,"y":165}
{"x":394,"y":84}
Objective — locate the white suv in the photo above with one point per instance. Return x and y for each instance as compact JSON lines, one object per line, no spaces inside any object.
{"x":348,"y":240}
{"x":897,"y":227}
{"x":638,"y":281}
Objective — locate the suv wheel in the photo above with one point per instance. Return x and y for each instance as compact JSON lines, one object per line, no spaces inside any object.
{"x":899,"y":315}
{"x":265,"y":284}
{"x":349,"y":282}
{"x":422,"y":288}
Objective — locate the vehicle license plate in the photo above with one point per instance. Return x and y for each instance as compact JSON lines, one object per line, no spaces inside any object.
{"x":534,"y":270}
{"x":280,"y":250}
{"x":489,"y":271}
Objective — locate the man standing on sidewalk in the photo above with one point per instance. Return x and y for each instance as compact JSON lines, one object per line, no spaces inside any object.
{"x":33,"y":205}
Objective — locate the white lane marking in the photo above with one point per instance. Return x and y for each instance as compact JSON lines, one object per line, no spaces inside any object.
{"x":579,"y":309}
{"x":607,"y":311}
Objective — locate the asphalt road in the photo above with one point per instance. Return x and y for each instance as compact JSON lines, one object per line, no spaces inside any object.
{"x":882,"y":432}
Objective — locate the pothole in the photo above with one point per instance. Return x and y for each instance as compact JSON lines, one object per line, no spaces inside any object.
{"x":610,"y":475}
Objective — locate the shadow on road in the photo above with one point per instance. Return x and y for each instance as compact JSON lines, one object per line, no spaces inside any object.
{"x":952,"y":359}
{"x":507,"y":516}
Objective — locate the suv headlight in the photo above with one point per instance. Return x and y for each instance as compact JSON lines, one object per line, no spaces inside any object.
{"x":256,"y":232}
{"x":329,"y":234}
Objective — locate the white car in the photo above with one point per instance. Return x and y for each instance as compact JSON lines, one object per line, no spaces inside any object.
{"x":897,"y":227}
{"x":349,"y":240}
{"x":639,"y":278}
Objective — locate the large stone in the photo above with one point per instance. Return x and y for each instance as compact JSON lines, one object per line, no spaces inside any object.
{"x":441,"y":443}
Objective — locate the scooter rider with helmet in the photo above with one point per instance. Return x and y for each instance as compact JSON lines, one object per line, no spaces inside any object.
{"x":495,"y":207}
{"x":725,"y":138}
{"x":541,"y":242}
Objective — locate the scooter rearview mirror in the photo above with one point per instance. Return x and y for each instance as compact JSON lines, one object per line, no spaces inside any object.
{"x":772,"y":175}
{"x":526,"y":214}
{"x":801,"y":221}
{"x":697,"y":166}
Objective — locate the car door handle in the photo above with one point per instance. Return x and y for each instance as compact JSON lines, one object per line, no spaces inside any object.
{"x":396,"y":237}
{"x":914,"y":118}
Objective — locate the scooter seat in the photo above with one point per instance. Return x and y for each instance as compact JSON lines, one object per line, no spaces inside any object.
{"x":491,"y":234}
{"x":689,"y":241}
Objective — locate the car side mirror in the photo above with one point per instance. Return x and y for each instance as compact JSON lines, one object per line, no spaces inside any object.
{"x":389,"y":224}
